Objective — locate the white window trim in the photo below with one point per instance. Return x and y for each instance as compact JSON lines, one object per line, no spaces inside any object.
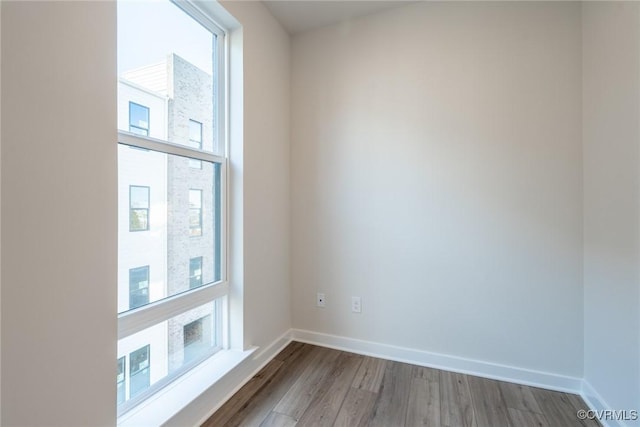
{"x":141,"y":318}
{"x":161,"y":406}
{"x":148,"y":143}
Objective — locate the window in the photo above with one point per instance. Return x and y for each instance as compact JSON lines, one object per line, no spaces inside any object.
{"x":196,"y":336}
{"x":138,"y":208}
{"x":138,"y":119}
{"x":195,"y":141}
{"x":195,"y":272}
{"x":195,"y":212}
{"x":138,"y":286}
{"x":139,"y":370}
{"x":120,"y":381}
{"x":166,"y":328}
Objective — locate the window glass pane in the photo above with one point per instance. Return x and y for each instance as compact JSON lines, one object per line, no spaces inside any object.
{"x":166,"y":64}
{"x":139,"y":197}
{"x":157,"y":352}
{"x":183,"y":222}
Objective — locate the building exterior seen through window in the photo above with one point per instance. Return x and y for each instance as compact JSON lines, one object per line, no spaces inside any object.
{"x":170,"y":201}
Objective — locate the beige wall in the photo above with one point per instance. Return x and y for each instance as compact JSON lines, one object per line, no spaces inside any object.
{"x":0,"y":214}
{"x":611,"y":117}
{"x":58,"y":213}
{"x":436,"y":173}
{"x":265,"y":180}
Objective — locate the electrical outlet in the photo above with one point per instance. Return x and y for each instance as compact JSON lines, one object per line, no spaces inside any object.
{"x":356,"y":305}
{"x":320,"y":300}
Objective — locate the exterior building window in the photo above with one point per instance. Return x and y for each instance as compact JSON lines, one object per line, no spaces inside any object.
{"x":193,"y":333}
{"x":138,"y":119}
{"x":195,"y":141}
{"x":139,"y":370}
{"x":195,"y":272}
{"x":197,"y":335}
{"x":121,"y":381}
{"x":195,"y":134}
{"x":138,"y":208}
{"x":195,"y":212}
{"x":138,"y":286}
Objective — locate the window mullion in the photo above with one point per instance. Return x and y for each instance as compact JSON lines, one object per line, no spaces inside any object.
{"x":144,"y":317}
{"x":159,"y":145}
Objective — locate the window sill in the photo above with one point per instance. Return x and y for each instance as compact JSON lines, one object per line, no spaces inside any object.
{"x":167,"y":402}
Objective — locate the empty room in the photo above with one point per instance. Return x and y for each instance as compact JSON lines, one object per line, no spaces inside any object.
{"x":341,"y":213}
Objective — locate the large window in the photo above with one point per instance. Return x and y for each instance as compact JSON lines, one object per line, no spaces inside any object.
{"x":138,"y":286}
{"x":176,"y":68}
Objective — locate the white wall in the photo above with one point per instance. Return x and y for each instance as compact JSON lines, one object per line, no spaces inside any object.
{"x":58,"y":213}
{"x":265,"y":180}
{"x":611,"y":133}
{"x":436,"y":173}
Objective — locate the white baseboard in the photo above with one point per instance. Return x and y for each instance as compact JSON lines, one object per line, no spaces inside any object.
{"x":442,"y":361}
{"x":201,"y":408}
{"x":596,"y":403}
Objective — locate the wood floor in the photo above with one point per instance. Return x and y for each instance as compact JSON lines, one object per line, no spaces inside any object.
{"x":306,"y":385}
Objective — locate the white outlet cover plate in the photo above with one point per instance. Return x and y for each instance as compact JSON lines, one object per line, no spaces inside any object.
{"x":356,"y":305}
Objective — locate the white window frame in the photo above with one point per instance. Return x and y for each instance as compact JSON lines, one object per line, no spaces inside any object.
{"x":141,"y":318}
{"x":148,"y":128}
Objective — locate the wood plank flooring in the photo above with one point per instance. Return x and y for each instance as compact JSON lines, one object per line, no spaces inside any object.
{"x":306,"y":385}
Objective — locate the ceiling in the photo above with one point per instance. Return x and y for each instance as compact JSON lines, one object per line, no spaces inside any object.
{"x":297,"y":16}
